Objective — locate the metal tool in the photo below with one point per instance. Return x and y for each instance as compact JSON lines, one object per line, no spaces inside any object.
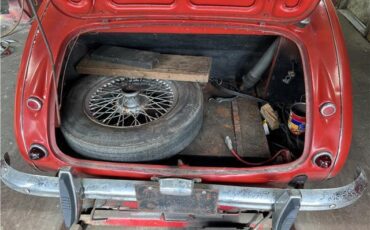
{"x":222,"y":99}
{"x":290,"y":75}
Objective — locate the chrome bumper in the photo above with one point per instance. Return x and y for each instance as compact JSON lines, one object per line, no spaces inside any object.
{"x":251,"y":198}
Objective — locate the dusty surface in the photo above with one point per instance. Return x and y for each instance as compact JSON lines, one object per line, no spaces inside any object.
{"x":25,"y":212}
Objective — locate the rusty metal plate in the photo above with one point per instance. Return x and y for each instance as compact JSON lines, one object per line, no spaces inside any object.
{"x":201,"y":201}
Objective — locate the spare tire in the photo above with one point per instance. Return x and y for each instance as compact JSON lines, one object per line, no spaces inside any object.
{"x":131,"y":120}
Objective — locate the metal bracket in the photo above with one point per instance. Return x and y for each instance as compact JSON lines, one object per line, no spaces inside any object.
{"x":304,"y":22}
{"x":70,"y":190}
{"x":286,"y":210}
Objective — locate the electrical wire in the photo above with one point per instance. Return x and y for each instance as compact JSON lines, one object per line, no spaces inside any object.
{"x":239,"y":158}
{"x":10,"y":32}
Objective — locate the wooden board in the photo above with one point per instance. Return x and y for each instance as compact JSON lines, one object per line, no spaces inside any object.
{"x":218,"y":123}
{"x":125,"y":56}
{"x":170,"y":67}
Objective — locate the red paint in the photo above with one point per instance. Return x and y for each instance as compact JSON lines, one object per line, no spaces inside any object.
{"x":320,"y":43}
{"x":291,"y":3}
{"x":228,"y":3}
{"x":260,"y":11}
{"x":140,"y":2}
{"x":130,"y":204}
{"x":144,"y":223}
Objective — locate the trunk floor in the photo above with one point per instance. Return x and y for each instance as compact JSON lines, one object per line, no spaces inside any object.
{"x":219,"y":122}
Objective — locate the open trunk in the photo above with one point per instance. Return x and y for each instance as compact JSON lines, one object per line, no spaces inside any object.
{"x":255,"y":142}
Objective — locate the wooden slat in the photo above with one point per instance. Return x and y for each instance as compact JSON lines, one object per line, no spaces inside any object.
{"x":170,"y":67}
{"x":218,"y":123}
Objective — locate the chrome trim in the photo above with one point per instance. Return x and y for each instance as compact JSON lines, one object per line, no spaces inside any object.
{"x":129,"y":102}
{"x":305,"y":21}
{"x":252,"y":198}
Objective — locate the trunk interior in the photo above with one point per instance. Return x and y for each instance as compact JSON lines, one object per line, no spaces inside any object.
{"x":281,"y":84}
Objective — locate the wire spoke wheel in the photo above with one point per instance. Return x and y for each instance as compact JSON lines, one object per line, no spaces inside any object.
{"x":122,"y":119}
{"x":127,"y":102}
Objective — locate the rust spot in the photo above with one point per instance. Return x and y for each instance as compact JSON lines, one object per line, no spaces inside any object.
{"x":223,"y":111}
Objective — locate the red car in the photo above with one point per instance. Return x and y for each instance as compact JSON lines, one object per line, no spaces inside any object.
{"x":184,"y":113}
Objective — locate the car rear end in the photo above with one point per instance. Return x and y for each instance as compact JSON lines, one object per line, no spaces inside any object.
{"x":285,"y":54}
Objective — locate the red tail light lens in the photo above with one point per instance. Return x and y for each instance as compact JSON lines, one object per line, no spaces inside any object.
{"x":323,"y":160}
{"x":328,"y":109}
{"x":33,"y":103}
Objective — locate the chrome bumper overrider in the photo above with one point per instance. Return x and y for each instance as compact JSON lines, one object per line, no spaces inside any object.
{"x":235,"y":196}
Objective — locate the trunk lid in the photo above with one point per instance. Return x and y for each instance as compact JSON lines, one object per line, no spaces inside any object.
{"x":272,"y":11}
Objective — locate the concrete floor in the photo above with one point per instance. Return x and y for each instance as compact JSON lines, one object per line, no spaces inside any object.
{"x":25,"y":212}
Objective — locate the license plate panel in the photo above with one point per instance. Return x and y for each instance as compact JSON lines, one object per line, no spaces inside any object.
{"x":201,"y":201}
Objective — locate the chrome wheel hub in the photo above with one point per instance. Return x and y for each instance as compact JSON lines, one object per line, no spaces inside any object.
{"x":131,"y":102}
{"x":126,"y":102}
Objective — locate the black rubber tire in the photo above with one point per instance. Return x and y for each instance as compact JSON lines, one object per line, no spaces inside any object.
{"x":156,"y":140}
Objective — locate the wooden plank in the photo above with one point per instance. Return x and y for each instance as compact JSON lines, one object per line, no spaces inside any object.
{"x":170,"y":67}
{"x":218,"y":123}
{"x":254,"y":139}
{"x":125,"y":56}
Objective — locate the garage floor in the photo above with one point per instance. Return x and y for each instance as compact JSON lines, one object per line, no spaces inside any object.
{"x":25,"y":212}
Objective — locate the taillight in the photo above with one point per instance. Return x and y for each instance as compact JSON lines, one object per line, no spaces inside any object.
{"x":37,"y":152}
{"x":323,"y":160}
{"x":328,"y":109}
{"x":33,"y":103}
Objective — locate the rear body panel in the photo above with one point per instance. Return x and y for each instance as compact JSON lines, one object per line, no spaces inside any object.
{"x":320,"y":43}
{"x":286,"y":11}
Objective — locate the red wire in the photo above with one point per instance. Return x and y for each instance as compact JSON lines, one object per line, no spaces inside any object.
{"x":237,"y":156}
